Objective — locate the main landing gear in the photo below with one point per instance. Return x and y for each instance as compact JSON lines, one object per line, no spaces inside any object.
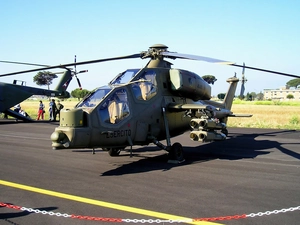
{"x":175,"y":151}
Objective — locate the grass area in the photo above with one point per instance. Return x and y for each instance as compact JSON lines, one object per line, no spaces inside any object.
{"x":32,"y":106}
{"x":266,"y":114}
{"x":282,"y":103}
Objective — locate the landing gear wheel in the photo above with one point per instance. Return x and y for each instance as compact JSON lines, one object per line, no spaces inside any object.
{"x":176,"y":152}
{"x":114,"y":151}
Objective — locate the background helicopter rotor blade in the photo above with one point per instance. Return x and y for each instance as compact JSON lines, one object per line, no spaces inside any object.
{"x":194,"y":57}
{"x":75,"y":65}
{"x":79,"y":84}
{"x":83,"y":71}
{"x":75,"y":73}
{"x":30,"y":64}
{"x":24,"y":63}
{"x":138,"y":55}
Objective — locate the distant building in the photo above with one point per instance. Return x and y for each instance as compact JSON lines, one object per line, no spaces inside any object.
{"x":281,"y":93}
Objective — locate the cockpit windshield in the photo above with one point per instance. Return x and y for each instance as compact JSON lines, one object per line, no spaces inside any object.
{"x":93,"y":98}
{"x":124,"y":77}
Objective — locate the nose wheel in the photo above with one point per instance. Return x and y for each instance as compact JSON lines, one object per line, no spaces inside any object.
{"x":113,"y":151}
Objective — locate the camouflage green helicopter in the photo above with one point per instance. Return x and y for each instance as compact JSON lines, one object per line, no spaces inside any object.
{"x":148,"y":105}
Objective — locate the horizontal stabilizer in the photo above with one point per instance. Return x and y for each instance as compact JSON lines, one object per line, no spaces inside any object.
{"x":240,"y":115}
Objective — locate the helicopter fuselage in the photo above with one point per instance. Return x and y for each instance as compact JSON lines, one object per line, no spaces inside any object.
{"x":131,"y":113}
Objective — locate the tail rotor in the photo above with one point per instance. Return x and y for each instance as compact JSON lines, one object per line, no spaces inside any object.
{"x":243,"y":81}
{"x":72,"y":74}
{"x":75,"y":73}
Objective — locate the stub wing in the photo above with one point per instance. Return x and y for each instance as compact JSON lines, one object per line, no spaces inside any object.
{"x":190,"y":106}
{"x":205,"y":109}
{"x":215,"y":112}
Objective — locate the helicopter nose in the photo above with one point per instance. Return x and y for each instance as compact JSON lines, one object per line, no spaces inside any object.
{"x":59,"y":140}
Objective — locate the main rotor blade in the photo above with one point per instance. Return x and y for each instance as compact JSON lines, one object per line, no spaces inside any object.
{"x":138,"y":55}
{"x":194,"y":57}
{"x":23,"y":63}
{"x":212,"y":60}
{"x":267,"y":71}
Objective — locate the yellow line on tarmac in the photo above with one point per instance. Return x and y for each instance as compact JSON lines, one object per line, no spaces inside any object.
{"x":102,"y":203}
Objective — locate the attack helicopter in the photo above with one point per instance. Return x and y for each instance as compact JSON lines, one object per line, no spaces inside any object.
{"x":16,"y":92}
{"x":147,"y":105}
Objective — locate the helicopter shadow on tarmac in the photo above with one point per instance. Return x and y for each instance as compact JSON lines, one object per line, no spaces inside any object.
{"x":14,"y":121}
{"x":236,"y":147}
{"x":7,"y":216}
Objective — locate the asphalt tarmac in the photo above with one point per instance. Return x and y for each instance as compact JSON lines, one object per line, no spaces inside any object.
{"x":254,"y":175}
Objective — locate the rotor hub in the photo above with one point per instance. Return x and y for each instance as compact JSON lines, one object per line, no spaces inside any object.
{"x":159,"y":47}
{"x":154,"y":51}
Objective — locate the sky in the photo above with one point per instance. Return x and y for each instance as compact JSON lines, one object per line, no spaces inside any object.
{"x":259,"y":33}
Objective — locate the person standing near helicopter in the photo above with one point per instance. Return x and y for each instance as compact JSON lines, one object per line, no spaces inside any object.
{"x":17,"y":108}
{"x":59,"y":107}
{"x":41,"y":111}
{"x":52,"y":110}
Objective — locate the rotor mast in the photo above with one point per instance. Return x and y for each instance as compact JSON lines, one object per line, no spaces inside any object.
{"x":157,"y":59}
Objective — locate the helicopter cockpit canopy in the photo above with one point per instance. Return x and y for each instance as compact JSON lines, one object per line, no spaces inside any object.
{"x":144,"y":88}
{"x":93,"y":98}
{"x":124,"y":77}
{"x":115,"y":107}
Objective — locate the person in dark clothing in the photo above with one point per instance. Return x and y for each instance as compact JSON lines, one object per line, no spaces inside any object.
{"x":52,"y":110}
{"x":59,"y":107}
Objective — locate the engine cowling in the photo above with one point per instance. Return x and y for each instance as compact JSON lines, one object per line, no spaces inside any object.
{"x":190,"y":85}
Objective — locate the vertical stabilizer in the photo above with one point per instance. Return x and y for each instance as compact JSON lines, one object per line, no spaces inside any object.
{"x":233,"y":81}
{"x":64,"y":81}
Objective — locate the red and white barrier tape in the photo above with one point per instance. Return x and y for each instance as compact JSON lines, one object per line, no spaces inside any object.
{"x":103,"y":219}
